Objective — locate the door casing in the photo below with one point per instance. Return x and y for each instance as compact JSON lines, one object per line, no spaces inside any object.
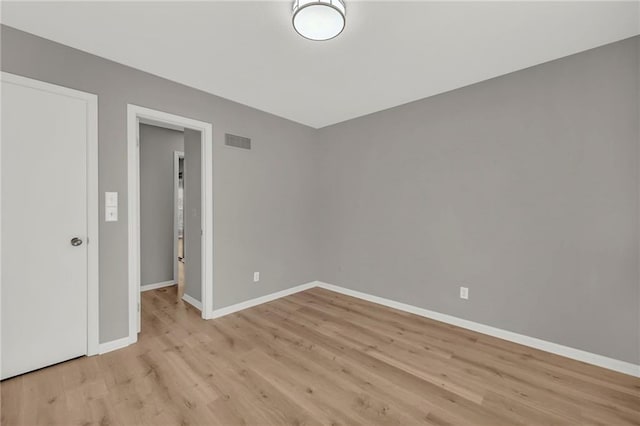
{"x":136,"y":114}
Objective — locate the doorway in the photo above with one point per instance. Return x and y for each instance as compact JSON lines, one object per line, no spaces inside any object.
{"x":178,"y":220}
{"x":158,"y":146}
{"x":195,"y":132}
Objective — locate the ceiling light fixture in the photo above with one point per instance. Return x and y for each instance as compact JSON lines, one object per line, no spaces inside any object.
{"x":319,"y":19}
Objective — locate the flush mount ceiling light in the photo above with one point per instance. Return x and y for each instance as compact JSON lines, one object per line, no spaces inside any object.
{"x":319,"y":19}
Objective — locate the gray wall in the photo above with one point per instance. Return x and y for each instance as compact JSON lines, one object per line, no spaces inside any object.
{"x":523,"y":188}
{"x":264,"y":213}
{"x":157,"y":146}
{"x":192,"y":214}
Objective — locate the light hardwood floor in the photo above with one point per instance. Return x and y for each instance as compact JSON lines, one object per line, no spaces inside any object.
{"x":316,"y":357}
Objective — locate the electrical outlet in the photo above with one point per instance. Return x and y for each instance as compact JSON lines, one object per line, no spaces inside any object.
{"x":256,"y":277}
{"x":464,"y":293}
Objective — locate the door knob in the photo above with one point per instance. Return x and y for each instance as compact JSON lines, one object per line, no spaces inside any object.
{"x":75,"y":241}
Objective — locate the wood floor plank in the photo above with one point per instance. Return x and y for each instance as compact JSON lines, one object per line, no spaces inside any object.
{"x":438,"y":397}
{"x":301,"y":362}
{"x":316,"y":358}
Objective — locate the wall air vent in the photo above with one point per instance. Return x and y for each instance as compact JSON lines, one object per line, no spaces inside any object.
{"x":237,"y":141}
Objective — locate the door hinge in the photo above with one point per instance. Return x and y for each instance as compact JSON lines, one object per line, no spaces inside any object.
{"x":138,"y":306}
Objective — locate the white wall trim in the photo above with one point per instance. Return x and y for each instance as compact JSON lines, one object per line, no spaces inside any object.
{"x":134,"y":115}
{"x":156,"y":286}
{"x":93,"y":215}
{"x":162,"y":124}
{"x":555,"y":348}
{"x":262,"y":299}
{"x":192,"y":301}
{"x":114,"y":345}
{"x":93,"y":231}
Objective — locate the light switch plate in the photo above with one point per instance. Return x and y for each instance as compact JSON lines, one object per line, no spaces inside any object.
{"x":111,"y":214}
{"x":111,"y":199}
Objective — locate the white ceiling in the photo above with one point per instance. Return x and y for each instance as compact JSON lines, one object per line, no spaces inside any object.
{"x":390,"y":52}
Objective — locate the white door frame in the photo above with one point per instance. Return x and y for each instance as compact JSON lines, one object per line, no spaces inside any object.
{"x":177,"y":155}
{"x":93,"y":291}
{"x":135,"y":114}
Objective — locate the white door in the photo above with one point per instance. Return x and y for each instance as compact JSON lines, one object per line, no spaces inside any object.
{"x":44,"y":228}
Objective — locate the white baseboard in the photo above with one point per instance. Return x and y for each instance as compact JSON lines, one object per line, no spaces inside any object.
{"x":193,"y":302}
{"x":555,"y":348}
{"x":217,"y":313}
{"x":113,"y":345}
{"x":155,"y":286}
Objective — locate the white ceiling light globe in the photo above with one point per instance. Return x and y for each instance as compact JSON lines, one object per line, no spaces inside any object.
{"x":319,"y":19}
